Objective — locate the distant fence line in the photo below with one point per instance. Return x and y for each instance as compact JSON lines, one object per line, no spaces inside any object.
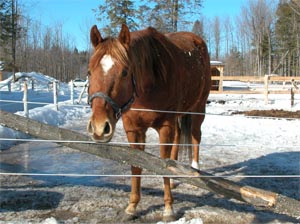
{"x":266,"y":90}
{"x":51,"y":85}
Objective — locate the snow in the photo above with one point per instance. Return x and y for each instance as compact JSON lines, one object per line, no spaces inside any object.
{"x":237,"y":138}
{"x":216,"y":63}
{"x":50,"y":221}
{"x":41,"y":107}
{"x":184,"y":221}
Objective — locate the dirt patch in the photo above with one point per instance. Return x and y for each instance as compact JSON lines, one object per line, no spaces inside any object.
{"x":270,"y":113}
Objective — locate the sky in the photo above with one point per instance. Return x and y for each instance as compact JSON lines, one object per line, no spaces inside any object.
{"x":77,"y":17}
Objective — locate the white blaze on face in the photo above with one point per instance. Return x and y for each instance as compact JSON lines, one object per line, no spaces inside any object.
{"x":106,"y":62}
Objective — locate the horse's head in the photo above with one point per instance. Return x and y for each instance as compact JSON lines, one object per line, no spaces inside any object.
{"x":111,"y":87}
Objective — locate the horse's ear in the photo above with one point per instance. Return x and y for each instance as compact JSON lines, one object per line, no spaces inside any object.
{"x":95,"y":36}
{"x":124,"y":36}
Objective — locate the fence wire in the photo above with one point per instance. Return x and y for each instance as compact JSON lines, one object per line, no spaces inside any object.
{"x":146,"y":175}
{"x":149,"y":144}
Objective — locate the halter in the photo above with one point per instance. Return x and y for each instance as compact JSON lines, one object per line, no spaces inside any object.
{"x":116,"y":108}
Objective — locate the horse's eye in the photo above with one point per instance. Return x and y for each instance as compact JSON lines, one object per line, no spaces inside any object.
{"x":124,"y":73}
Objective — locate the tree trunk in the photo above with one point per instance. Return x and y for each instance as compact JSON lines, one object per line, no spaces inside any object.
{"x":126,"y":155}
{"x":13,"y":35}
{"x":269,"y":52}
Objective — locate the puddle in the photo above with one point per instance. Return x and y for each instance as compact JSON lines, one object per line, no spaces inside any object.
{"x":50,"y":158}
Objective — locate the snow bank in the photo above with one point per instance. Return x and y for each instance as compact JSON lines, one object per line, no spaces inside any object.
{"x":46,"y":114}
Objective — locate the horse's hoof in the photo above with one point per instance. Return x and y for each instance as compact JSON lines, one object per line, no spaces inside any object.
{"x":168,"y":215}
{"x":128,"y":217}
{"x":130,"y":213}
{"x":173,"y":184}
{"x":169,"y":218}
{"x":195,"y":165}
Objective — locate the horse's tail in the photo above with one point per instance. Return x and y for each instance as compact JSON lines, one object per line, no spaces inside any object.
{"x":185,"y":125}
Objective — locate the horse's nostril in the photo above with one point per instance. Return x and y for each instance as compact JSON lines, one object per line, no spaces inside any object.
{"x":107,"y":128}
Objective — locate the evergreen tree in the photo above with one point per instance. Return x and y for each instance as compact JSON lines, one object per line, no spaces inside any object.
{"x":115,"y":13}
{"x":4,"y":21}
{"x":287,"y":30}
{"x":10,"y":32}
{"x":164,"y":15}
{"x":173,"y":15}
{"x":198,"y":28}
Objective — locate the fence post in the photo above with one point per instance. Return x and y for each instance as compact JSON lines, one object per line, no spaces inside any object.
{"x":32,"y":84}
{"x":292,"y":97}
{"x":294,"y":87}
{"x":72,"y":91}
{"x":25,"y":99}
{"x":82,"y":91}
{"x":55,"y":95}
{"x":9,"y":86}
{"x":220,"y":84}
{"x":266,"y":88}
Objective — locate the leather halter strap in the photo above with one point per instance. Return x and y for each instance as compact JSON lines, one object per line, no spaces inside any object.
{"x":116,"y":108}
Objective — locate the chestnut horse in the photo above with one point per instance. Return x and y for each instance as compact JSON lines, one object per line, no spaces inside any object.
{"x":148,"y":70}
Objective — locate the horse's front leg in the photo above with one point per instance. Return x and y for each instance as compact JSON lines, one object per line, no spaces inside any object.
{"x":135,"y":195}
{"x":166,"y":135}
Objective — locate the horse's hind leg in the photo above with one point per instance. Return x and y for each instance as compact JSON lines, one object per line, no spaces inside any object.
{"x":197,"y":121}
{"x":176,"y":141}
{"x":175,"y":147}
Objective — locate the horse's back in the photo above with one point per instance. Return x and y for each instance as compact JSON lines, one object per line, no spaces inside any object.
{"x":197,"y":58}
{"x":185,"y":40}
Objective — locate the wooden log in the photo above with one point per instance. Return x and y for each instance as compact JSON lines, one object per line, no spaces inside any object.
{"x":125,"y":155}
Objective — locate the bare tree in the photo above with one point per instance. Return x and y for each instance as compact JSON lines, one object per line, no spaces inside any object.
{"x":217,"y":36}
{"x":229,"y":34}
{"x":257,"y":18}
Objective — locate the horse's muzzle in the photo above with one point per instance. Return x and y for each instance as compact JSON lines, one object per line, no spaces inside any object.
{"x":100,"y":132}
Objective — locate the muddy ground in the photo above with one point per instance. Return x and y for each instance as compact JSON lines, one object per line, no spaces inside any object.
{"x":271,"y":113}
{"x":102,"y":199}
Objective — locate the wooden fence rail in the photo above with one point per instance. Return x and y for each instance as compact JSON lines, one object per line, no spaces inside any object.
{"x":266,"y":87}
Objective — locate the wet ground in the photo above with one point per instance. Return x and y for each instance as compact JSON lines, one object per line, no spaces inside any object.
{"x":271,"y":113}
{"x":81,"y":190}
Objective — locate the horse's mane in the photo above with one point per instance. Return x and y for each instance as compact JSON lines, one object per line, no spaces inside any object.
{"x":149,"y":55}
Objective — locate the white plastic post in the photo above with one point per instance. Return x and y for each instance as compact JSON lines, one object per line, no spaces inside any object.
{"x":72,"y":91}
{"x":25,"y":99}
{"x":55,"y":101}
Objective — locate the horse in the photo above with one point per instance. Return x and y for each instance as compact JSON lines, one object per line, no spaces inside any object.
{"x":153,"y":72}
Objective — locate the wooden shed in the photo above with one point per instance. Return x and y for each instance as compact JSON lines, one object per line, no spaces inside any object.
{"x":217,"y":69}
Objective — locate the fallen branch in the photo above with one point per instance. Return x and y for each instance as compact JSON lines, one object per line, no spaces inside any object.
{"x":125,"y":155}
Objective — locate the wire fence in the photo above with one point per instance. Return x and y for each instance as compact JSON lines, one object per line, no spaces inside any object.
{"x":147,"y":175}
{"x":146,"y":144}
{"x":67,"y":104}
